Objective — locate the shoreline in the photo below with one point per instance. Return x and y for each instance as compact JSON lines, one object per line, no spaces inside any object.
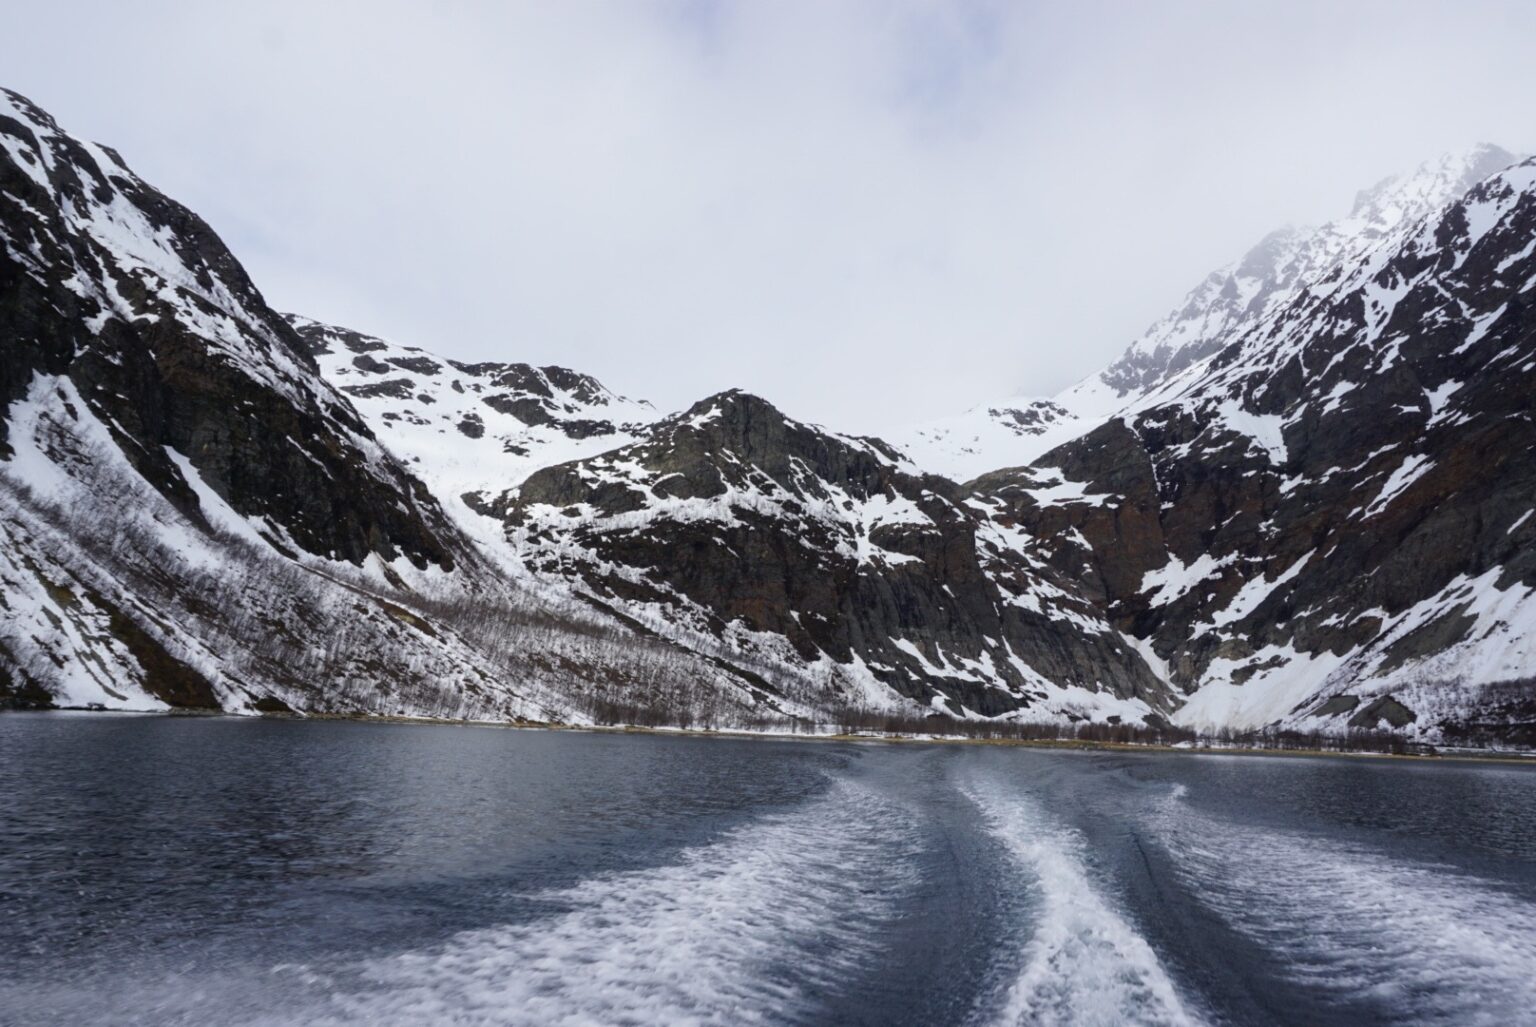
{"x":1074,"y":745}
{"x":1503,"y":757}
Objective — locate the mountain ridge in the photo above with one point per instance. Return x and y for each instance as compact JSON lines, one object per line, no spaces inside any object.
{"x":1301,"y":507}
{"x":1227,"y":302}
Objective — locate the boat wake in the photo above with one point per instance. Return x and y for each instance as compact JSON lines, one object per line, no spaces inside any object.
{"x":1084,"y":963}
{"x":1411,"y":941}
{"x":748,"y":929}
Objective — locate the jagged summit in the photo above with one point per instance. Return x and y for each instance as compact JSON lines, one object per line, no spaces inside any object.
{"x":750,"y":427}
{"x":1431,"y":184}
{"x":1236,"y":297}
{"x":731,"y":406}
{"x":1224,"y":305}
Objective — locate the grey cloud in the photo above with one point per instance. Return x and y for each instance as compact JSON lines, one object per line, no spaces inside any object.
{"x":868,"y":211}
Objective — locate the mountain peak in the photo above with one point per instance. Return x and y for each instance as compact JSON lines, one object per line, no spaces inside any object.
{"x":1232,"y":299}
{"x":732,"y":405}
{"x":1433,"y":183}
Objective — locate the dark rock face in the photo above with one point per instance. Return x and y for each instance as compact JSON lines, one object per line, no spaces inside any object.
{"x":1385,"y":711}
{"x":135,"y":301}
{"x":19,"y":692}
{"x":536,"y":384}
{"x":1119,"y":509}
{"x":418,"y":365}
{"x":761,"y":524}
{"x":165,"y":677}
{"x":394,"y":388}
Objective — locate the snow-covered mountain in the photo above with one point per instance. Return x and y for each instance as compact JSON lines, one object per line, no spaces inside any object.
{"x":1227,"y":303}
{"x":210,"y":505}
{"x":799,"y":547}
{"x":1305,"y":497}
{"x":1327,"y":517}
{"x":820,"y":568}
{"x":465,"y":428}
{"x":191,"y":516}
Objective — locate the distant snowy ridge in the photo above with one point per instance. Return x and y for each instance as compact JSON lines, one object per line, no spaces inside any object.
{"x":465,"y":428}
{"x":1234,"y":299}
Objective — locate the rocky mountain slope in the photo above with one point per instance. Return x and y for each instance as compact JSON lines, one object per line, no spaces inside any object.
{"x":191,"y":516}
{"x":806,"y":548}
{"x":124,"y":304}
{"x":1327,"y":517}
{"x":821,"y":570}
{"x":1305,"y":498}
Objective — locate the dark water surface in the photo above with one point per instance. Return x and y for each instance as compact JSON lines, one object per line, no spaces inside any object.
{"x":197,"y":871}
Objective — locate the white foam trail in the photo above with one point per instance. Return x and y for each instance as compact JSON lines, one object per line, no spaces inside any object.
{"x":696,"y":942}
{"x":1085,"y":964}
{"x":1427,"y":943}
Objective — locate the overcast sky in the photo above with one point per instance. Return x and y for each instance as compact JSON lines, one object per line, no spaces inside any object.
{"x":869,"y":212}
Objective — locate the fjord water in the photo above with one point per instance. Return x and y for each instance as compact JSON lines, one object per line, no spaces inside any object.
{"x":168,"y":870}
